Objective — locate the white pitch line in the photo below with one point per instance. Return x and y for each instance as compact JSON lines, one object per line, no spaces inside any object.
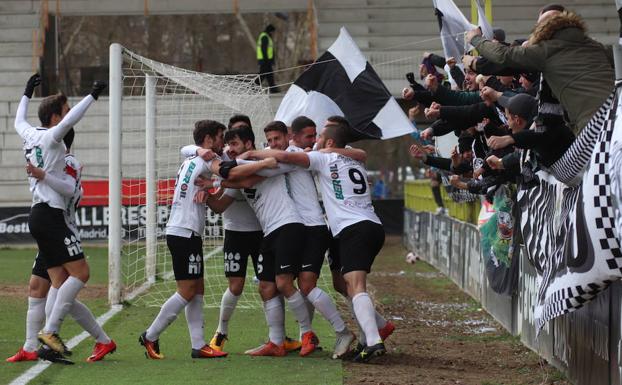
{"x":33,"y":372}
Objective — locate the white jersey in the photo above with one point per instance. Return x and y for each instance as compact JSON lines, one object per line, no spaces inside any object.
{"x":239,"y":216}
{"x":188,"y":217}
{"x":304,"y":194}
{"x":271,"y":202}
{"x":343,"y":182}
{"x":74,"y":169}
{"x":44,"y":148}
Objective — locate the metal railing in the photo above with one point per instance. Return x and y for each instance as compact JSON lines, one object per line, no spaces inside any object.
{"x":418,"y":197}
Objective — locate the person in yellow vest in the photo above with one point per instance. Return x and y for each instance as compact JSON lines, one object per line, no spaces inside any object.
{"x":265,"y":56}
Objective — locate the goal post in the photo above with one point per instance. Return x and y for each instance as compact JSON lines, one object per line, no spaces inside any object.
{"x":153,"y":107}
{"x":114,"y":173}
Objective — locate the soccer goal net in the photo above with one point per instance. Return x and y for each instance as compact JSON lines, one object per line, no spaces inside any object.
{"x":153,"y":108}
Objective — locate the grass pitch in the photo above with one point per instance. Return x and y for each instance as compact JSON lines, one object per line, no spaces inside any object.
{"x":128,"y":365}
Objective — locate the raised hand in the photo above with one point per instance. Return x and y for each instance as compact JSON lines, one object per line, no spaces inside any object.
{"x":32,"y":83}
{"x":98,"y":87}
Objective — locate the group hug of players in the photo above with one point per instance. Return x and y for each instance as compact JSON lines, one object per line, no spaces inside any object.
{"x":271,"y":214}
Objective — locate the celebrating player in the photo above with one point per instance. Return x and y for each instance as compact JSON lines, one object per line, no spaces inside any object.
{"x":351,"y":217}
{"x":184,"y":232}
{"x":283,"y":233}
{"x":317,"y":237}
{"x":40,"y":287}
{"x":59,"y":247}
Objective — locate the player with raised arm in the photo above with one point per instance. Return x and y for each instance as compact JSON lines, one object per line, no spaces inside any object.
{"x":283,"y":233}
{"x":59,"y":247}
{"x":39,"y":286}
{"x":184,"y":238}
{"x":343,"y":182}
{"x":317,"y":237}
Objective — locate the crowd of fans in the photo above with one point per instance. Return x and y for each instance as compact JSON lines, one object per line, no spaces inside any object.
{"x":526,"y":99}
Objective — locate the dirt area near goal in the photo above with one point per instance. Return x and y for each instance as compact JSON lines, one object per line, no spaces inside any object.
{"x":442,"y":335}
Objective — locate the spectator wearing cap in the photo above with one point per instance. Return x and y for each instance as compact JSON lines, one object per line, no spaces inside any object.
{"x":521,"y":111}
{"x":573,"y":64}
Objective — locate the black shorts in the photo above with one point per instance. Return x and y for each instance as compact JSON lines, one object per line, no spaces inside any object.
{"x":283,"y":246}
{"x":334,"y":261}
{"x":56,"y":242}
{"x":316,"y":244}
{"x":39,"y":269}
{"x":358,"y":246}
{"x":187,"y":254}
{"x":238,"y":246}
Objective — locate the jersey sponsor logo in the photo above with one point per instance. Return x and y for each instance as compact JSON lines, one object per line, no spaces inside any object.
{"x":182,"y":190}
{"x":232,"y":264}
{"x":73,"y":245}
{"x":38,"y":157}
{"x":334,"y":174}
{"x":188,"y":174}
{"x":194,"y":264}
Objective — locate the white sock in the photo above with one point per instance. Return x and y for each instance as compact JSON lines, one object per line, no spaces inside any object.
{"x":380,"y":320}
{"x":227,"y":305}
{"x":168,"y":313}
{"x":194,"y":318}
{"x":364,"y":310}
{"x":310,"y":308}
{"x":273,"y":308}
{"x":49,"y":303}
{"x":362,"y":338}
{"x":35,"y":318}
{"x":297,"y":305}
{"x":87,"y":321}
{"x":327,"y":308}
{"x":67,"y":293}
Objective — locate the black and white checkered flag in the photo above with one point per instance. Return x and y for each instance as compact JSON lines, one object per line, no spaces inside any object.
{"x":342,"y":82}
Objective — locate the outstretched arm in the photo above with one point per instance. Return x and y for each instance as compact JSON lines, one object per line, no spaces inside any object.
{"x":354,"y":153}
{"x":298,"y":158}
{"x":189,"y":150}
{"x":281,"y":168}
{"x":233,"y":171}
{"x":63,"y":184}
{"x":21,"y":125}
{"x":77,"y":112}
{"x":73,"y":116}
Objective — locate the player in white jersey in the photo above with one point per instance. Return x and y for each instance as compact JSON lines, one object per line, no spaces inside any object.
{"x":283,"y":233}
{"x":41,"y":295}
{"x":317,"y":238}
{"x":59,"y":248}
{"x":351,"y":217}
{"x":184,"y":232}
{"x":385,"y":327}
{"x":242,"y":240}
